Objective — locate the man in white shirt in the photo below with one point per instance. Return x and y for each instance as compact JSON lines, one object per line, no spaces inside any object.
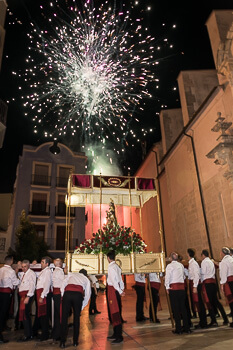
{"x":209,"y":289}
{"x":57,"y":280}
{"x":226,"y":277}
{"x":196,"y":288}
{"x":43,"y":298}
{"x":174,"y":283}
{"x":26,"y":292}
{"x":8,"y":281}
{"x":76,"y":292}
{"x":115,"y":291}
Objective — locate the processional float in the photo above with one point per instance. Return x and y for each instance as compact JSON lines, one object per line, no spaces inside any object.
{"x":83,"y":190}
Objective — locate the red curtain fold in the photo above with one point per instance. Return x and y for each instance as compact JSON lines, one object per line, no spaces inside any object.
{"x":146,"y":184}
{"x":81,"y":181}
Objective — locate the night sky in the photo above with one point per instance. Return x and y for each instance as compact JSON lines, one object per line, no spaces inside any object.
{"x":191,"y":51}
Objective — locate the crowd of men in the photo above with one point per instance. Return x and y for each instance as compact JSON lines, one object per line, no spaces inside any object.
{"x":203,"y":288}
{"x":72,"y":291}
{"x":69,"y":292}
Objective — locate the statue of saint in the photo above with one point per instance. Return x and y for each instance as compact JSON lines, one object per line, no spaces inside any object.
{"x":111,"y":214}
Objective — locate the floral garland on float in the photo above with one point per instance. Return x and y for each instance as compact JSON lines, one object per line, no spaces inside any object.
{"x":117,"y":238}
{"x":112,"y":236}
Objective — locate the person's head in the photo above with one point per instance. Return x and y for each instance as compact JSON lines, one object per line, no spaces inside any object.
{"x":84,"y":272}
{"x":8,"y":260}
{"x":111,"y":255}
{"x":34,"y":262}
{"x":25,"y":265}
{"x":45,"y":261}
{"x":204,"y":254}
{"x":58,"y":262}
{"x":174,"y":256}
{"x":225,"y":251}
{"x":180,"y":257}
{"x":191,"y":253}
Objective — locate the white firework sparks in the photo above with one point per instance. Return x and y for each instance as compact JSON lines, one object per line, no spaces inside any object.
{"x":95,"y":64}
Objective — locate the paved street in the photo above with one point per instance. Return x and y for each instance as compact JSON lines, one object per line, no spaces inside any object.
{"x":146,"y":335}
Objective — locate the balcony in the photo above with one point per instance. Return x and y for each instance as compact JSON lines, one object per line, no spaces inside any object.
{"x":62,"y":182}
{"x":60,"y":210}
{"x":41,"y":180}
{"x":39,"y":208}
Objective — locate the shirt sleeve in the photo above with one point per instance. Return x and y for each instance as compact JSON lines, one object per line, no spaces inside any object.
{"x":47,"y":283}
{"x":167,"y":277}
{"x":87,"y":293}
{"x":222,"y":273}
{"x":196,"y":275}
{"x":14,"y":279}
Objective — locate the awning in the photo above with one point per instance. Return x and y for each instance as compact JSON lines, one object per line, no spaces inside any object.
{"x":96,"y":189}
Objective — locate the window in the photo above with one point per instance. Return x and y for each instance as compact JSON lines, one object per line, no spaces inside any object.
{"x":39,"y":204}
{"x":61,"y":206}
{"x":61,"y":235}
{"x":63,"y":176}
{"x":40,"y":230}
{"x":41,"y":175}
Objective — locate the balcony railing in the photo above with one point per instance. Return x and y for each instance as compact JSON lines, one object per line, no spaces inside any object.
{"x":60,"y":210}
{"x":39,"y":208}
{"x":62,"y":182}
{"x":41,"y":180}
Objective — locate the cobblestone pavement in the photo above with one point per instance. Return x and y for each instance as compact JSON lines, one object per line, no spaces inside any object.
{"x":137,"y":335}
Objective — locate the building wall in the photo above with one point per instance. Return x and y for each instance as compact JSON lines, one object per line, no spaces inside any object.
{"x":25,"y":188}
{"x":171,"y":124}
{"x":196,"y":190}
{"x":194,"y":87}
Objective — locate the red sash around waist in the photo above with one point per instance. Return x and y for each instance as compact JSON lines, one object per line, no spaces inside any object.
{"x":227,"y":290}
{"x":155,"y":285}
{"x":74,"y":288}
{"x":140,"y":284}
{"x":6,"y":290}
{"x":41,"y":307}
{"x":177,"y":286}
{"x":209,"y":280}
{"x":22,"y":295}
{"x":113,"y":306}
{"x":194,"y":296}
{"x":56,"y":291}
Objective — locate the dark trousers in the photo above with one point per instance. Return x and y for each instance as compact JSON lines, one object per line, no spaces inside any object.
{"x":92,"y":307}
{"x":231,"y":304}
{"x":177,"y":298}
{"x":188,"y":307}
{"x":56,"y":332}
{"x":155,"y":299}
{"x":202,"y":311}
{"x":5,"y":302}
{"x":43,"y":321}
{"x":27,"y":324}
{"x":71,"y":300}
{"x":211,"y":290}
{"x":140,"y":291}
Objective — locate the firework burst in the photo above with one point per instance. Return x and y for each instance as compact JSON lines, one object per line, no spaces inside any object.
{"x":93,"y":71}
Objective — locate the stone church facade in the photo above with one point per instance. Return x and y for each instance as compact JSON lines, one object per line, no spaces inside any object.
{"x":193,"y":163}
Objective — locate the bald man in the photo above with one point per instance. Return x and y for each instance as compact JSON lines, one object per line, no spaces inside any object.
{"x":174,"y":283}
